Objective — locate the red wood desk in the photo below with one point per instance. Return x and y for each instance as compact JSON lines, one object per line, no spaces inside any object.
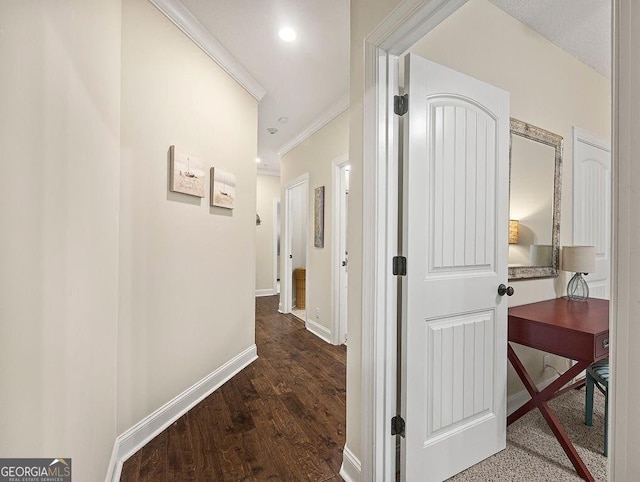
{"x":578,"y":330}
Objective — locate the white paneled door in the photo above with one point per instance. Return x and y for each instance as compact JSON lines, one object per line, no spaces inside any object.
{"x":455,"y":218}
{"x":592,"y":206}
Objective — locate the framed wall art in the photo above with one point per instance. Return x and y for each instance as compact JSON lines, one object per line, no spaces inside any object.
{"x":223,"y":188}
{"x":187,"y":173}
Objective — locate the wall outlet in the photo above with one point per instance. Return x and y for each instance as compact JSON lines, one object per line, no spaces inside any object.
{"x":317,"y":313}
{"x":546,"y":362}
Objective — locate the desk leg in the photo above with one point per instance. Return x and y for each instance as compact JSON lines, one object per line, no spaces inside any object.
{"x":565,"y":442}
{"x":539,"y":400}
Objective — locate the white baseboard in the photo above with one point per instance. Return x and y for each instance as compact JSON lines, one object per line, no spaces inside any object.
{"x":318,"y":330}
{"x":517,"y":400}
{"x":351,"y":469}
{"x":129,"y":442}
{"x":265,"y":292}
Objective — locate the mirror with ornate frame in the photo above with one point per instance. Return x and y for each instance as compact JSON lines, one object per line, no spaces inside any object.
{"x":535,"y":158}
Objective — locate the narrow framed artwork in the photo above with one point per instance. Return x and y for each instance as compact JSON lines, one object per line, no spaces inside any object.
{"x":223,"y":188}
{"x":187,"y":173}
{"x":318,"y":218}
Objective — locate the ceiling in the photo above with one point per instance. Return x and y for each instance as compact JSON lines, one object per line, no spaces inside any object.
{"x":308,"y":78}
{"x":302,"y":78}
{"x":580,"y":27}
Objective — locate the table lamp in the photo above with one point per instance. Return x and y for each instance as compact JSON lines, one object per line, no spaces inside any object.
{"x":581,"y":260}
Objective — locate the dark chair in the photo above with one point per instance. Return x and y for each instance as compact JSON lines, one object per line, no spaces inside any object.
{"x":598,"y":376}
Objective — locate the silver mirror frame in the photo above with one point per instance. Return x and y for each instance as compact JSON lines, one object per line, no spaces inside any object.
{"x":537,"y":134}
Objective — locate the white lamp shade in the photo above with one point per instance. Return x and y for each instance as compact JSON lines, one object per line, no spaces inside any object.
{"x":540,"y":255}
{"x":579,"y":259}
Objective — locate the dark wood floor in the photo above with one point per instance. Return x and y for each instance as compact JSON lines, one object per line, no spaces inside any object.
{"x":282,"y":418}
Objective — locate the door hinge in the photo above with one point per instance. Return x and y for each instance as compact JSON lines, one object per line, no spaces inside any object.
{"x":401,"y":104}
{"x":399,"y":266}
{"x":397,"y":426}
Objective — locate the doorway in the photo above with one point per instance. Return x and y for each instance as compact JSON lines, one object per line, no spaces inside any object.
{"x":383,"y":47}
{"x":340,"y":256}
{"x":296,"y":229}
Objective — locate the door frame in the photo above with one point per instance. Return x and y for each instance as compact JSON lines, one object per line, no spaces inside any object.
{"x":339,"y":325}
{"x":403,"y":27}
{"x":286,"y":293}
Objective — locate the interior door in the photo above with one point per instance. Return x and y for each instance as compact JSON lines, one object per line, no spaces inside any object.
{"x":296,"y":228}
{"x":344,"y":260}
{"x":592,"y":206}
{"x":455,"y":218}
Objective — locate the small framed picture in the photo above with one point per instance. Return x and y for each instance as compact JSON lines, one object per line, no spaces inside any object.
{"x":187,"y":174}
{"x":223,"y":188}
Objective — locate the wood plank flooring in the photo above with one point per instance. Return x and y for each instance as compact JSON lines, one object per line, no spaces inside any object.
{"x":282,"y":418}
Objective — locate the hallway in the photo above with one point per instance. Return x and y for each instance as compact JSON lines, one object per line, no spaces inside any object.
{"x":282,"y":418}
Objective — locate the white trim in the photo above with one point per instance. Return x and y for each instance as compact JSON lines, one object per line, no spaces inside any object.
{"x":517,"y":400}
{"x":266,"y":172}
{"x":175,"y":11}
{"x":624,"y":281}
{"x":265,"y":292}
{"x":317,"y":329}
{"x":409,"y":22}
{"x":129,"y":442}
{"x":351,"y":469}
{"x":334,"y":110}
{"x":378,"y":352}
{"x":586,"y":137}
{"x":336,"y":255}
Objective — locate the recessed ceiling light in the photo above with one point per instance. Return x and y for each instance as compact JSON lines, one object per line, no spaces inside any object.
{"x":257,"y":160}
{"x":287,"y":34}
{"x":272,"y":130}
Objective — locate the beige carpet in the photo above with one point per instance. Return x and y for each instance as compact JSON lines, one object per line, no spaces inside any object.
{"x":534,"y":454}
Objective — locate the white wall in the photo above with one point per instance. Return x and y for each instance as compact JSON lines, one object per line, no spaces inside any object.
{"x":315,"y":155}
{"x":187,"y":270}
{"x":548,"y":88}
{"x":59,"y":195}
{"x":267,"y":190}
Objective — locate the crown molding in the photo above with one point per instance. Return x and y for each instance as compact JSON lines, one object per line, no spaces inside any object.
{"x":337,"y":108}
{"x":268,"y":172}
{"x":175,"y":11}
